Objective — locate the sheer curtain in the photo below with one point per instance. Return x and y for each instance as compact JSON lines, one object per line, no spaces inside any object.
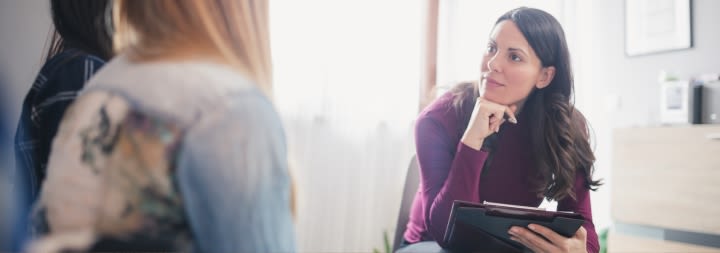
{"x":346,"y":76}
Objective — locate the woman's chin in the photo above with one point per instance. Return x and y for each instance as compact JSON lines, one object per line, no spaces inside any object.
{"x":494,"y":97}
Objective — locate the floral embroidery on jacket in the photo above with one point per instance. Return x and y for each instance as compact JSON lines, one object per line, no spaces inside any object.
{"x":134,"y":155}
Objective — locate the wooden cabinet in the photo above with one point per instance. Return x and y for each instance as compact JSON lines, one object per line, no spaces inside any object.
{"x":667,"y":177}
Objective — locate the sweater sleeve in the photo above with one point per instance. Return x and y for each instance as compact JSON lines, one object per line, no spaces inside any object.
{"x":446,"y":176}
{"x":582,"y":206}
{"x":233,"y":176}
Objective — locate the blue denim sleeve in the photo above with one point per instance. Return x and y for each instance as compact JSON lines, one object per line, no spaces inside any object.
{"x":233,"y":175}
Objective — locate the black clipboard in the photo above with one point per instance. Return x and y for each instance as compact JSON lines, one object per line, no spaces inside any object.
{"x":484,"y":227}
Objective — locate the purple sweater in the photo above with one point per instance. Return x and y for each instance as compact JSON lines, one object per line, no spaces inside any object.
{"x":450,"y":170}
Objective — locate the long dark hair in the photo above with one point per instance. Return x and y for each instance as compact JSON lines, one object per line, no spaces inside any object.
{"x":559,"y":133}
{"x":85,"y":25}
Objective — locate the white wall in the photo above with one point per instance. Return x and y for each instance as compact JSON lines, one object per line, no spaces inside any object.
{"x":615,"y":90}
{"x":634,"y":79}
{"x":24,"y":26}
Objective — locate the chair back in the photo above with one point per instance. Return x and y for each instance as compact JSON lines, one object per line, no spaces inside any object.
{"x":412,"y":179}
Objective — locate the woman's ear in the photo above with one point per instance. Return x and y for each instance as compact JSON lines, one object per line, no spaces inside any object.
{"x":546,"y":76}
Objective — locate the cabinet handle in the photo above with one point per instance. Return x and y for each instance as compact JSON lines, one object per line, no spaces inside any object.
{"x":713,"y":136}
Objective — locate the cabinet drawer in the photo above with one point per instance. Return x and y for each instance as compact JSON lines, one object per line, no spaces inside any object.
{"x":667,"y":177}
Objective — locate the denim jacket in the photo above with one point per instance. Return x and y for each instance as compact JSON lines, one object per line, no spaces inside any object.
{"x":53,"y":90}
{"x":186,"y":152}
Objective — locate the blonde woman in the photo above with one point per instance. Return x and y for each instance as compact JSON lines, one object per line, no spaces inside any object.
{"x":175,"y":143}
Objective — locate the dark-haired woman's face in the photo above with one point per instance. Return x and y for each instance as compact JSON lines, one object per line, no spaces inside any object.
{"x":510,"y":68}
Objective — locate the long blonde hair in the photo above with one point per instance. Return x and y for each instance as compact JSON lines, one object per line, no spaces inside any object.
{"x":233,"y":31}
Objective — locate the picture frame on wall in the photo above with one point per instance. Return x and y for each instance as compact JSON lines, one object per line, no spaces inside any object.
{"x":653,"y":26}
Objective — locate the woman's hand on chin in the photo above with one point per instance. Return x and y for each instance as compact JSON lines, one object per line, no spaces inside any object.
{"x":486,"y":119}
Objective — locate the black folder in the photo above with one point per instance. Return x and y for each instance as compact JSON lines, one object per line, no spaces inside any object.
{"x":475,"y":227}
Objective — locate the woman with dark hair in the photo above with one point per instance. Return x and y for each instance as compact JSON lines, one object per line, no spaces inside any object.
{"x":81,"y":43}
{"x":467,"y":152}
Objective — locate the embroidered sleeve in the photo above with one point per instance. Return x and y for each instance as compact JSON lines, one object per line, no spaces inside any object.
{"x":111,"y":172}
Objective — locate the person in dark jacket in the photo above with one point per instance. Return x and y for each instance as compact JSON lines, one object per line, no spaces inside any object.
{"x":79,"y":46}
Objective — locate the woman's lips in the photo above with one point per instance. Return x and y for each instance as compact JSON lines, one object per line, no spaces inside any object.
{"x":491,"y":83}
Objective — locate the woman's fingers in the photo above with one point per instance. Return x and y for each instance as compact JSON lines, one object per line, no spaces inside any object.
{"x":489,"y":116}
{"x":581,"y":233}
{"x":499,"y":114}
{"x":555,"y":238}
{"x":502,"y":111}
{"x":495,"y":124}
{"x":510,"y":112}
{"x":533,"y":241}
{"x":523,"y":241}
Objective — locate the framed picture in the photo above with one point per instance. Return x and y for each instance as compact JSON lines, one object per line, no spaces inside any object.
{"x":653,"y":26}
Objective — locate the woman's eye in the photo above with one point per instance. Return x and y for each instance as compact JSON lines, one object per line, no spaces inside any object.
{"x":491,"y":49}
{"x":515,"y":58}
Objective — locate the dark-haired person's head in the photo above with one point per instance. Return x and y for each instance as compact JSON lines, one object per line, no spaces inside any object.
{"x":85,"y":25}
{"x":559,"y":132}
{"x":535,"y":41}
{"x":527,"y":65}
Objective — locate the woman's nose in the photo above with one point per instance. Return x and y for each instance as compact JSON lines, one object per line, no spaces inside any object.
{"x":492,"y":63}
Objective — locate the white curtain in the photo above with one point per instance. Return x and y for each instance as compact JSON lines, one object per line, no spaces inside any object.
{"x":346,"y":76}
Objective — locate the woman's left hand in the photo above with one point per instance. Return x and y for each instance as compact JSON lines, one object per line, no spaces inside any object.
{"x":554,"y":243}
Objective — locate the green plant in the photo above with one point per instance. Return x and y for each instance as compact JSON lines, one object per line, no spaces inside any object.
{"x":386,"y":240}
{"x":603,"y":240}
